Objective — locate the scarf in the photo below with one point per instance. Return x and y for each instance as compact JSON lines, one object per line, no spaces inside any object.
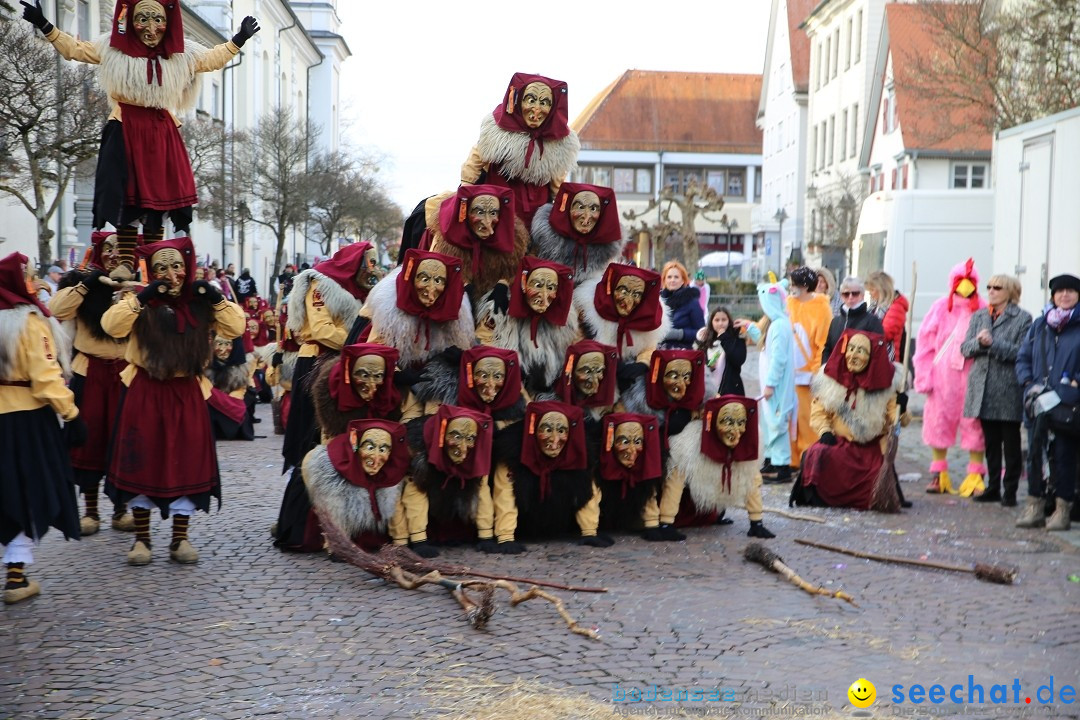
{"x":13,"y":288}
{"x":448,"y":304}
{"x":573,"y":455}
{"x":124,"y":39}
{"x":879,"y":371}
{"x":343,"y":266}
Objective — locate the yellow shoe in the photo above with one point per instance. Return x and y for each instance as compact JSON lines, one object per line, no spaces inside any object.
{"x":184,"y":553}
{"x":124,"y":522}
{"x":88,"y":525}
{"x":15,"y":595}
{"x":972,"y":484}
{"x":139,"y":554}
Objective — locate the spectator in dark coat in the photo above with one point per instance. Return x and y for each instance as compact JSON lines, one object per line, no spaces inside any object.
{"x":854,"y":315}
{"x":993,"y":392}
{"x":245,"y":286}
{"x":683,"y":301}
{"x":1049,"y":359}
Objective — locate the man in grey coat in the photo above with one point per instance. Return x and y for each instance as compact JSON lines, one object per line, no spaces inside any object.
{"x":994,"y":395}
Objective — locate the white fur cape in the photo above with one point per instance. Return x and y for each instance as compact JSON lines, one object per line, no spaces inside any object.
{"x":607,"y":332}
{"x":405,"y":332}
{"x":550,"y":245}
{"x":124,"y":77}
{"x":347,"y":506}
{"x":12,"y":325}
{"x":865,"y":413}
{"x":551,"y":160}
{"x":342,"y":306}
{"x":703,"y":475}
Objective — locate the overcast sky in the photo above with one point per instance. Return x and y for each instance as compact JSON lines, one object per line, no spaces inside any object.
{"x":423,"y":74}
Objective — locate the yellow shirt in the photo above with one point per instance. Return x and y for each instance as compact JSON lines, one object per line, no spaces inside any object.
{"x":64,"y":305}
{"x":35,"y":363}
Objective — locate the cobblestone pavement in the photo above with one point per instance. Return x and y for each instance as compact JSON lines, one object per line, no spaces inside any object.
{"x":253,"y":633}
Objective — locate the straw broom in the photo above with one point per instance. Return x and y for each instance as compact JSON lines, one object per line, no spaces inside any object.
{"x":756,"y":552}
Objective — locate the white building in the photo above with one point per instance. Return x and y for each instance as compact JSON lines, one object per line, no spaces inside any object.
{"x":844,"y":37}
{"x":287,"y":64}
{"x":701,"y":127}
{"x":782,"y":116}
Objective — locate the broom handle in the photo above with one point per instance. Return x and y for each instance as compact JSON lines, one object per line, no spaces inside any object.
{"x":886,"y":558}
{"x":530,"y":581}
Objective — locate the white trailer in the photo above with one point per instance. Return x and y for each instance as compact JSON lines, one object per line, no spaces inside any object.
{"x":935,"y":229}
{"x":1037,"y":214}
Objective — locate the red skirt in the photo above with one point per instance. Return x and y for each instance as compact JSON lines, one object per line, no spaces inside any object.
{"x":163,"y":447}
{"x":98,"y":398}
{"x":843,"y":474}
{"x":158,"y":168}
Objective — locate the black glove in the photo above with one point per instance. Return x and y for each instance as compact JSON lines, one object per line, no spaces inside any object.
{"x":93,"y":280}
{"x":155,"y":289}
{"x":33,"y":15}
{"x":827,"y":438}
{"x":452,"y":356}
{"x":75,"y":432}
{"x":600,"y":540}
{"x":277,"y":359}
{"x":901,"y":402}
{"x":627,"y":372}
{"x":208,"y":291}
{"x":500,"y":298}
{"x":248,"y":27}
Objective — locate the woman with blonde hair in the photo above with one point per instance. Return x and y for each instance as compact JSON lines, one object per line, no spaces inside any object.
{"x":993,"y":394}
{"x":682,"y":300}
{"x":891,"y":307}
{"x":826,"y":285}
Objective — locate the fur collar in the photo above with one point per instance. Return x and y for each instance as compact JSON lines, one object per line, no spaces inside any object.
{"x":12,"y":325}
{"x":540,"y":363}
{"x":867,"y":419}
{"x":550,"y":245}
{"x":405,"y":332}
{"x":606,"y":332}
{"x":633,"y":399}
{"x":703,"y":475}
{"x":124,"y":78}
{"x":558,"y":159}
{"x":342,"y":306}
{"x":288,"y":365}
{"x":347,"y":506}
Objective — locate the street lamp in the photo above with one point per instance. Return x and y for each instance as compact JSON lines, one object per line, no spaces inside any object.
{"x":728,"y":226}
{"x":780,"y":216}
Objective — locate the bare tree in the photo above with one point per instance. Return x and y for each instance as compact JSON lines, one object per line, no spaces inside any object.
{"x":220,"y":179}
{"x":997,"y":65}
{"x":277,"y":187}
{"x":51,"y":116}
{"x":697,"y":201}
{"x":837,"y":217}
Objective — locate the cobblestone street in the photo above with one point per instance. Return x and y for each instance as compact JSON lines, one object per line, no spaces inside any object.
{"x":251,"y":632}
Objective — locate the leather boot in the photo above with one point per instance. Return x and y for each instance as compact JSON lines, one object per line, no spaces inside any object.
{"x":1060,"y":519}
{"x":275,"y":414}
{"x":1033,"y":515}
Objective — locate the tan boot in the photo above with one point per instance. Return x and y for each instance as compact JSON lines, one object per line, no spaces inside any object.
{"x":1060,"y":519}
{"x":139,"y":554}
{"x":15,"y":595}
{"x":88,"y":525}
{"x":1033,"y":515}
{"x":124,"y":522}
{"x":184,"y":553}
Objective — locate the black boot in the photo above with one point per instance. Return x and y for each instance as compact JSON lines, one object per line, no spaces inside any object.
{"x":664,"y":533}
{"x":758,"y":530}
{"x":989,"y":495}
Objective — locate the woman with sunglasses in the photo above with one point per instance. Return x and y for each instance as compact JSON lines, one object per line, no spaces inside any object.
{"x":993,"y":392}
{"x":854,"y":315}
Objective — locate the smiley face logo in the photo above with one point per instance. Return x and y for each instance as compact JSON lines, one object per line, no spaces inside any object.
{"x":862,"y":693}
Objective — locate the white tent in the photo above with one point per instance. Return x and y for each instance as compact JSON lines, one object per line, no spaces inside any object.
{"x":721,"y":258}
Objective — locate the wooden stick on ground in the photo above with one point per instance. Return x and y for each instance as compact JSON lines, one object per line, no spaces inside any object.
{"x":983,"y":571}
{"x":756,"y":552}
{"x":794,"y":515}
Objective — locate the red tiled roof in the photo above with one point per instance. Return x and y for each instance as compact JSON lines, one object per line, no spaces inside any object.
{"x":929,"y":121}
{"x":674,"y":111}
{"x":797,"y":12}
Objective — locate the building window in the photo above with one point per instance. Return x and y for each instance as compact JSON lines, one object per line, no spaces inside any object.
{"x":623,"y":180}
{"x":854,"y":129}
{"x":850,"y":39}
{"x":757,"y":185}
{"x":904,"y":176}
{"x":643,"y":181}
{"x":886,"y":115}
{"x":735,"y":183}
{"x":823,"y":145}
{"x":843,"y":134}
{"x":892,"y":179}
{"x":817,"y":69}
{"x":828,"y":57}
{"x":715,"y":180}
{"x":601,"y":176}
{"x":813,"y":148}
{"x":858,"y":36}
{"x":83,"y":12}
{"x":829,"y":139}
{"x":214,"y":90}
{"x":836,"y":52}
{"x":969,"y":175}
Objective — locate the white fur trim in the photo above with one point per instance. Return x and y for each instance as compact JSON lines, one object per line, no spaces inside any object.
{"x":867,"y":420}
{"x":12,"y":325}
{"x":547,"y":355}
{"x":124,"y":78}
{"x":550,"y":245}
{"x":405,"y":332}
{"x":508,"y":148}
{"x":703,"y":475}
{"x":607,"y":332}
{"x":347,"y":506}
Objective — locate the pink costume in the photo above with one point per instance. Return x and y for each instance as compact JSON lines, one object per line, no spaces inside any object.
{"x":941,"y":371}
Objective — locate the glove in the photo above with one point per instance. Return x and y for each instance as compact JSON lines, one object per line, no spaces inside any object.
{"x":208,"y":291}
{"x":75,"y":432}
{"x":248,"y":27}
{"x":452,"y":355}
{"x":93,"y":280}
{"x":627,"y":372}
{"x":600,"y":541}
{"x":827,"y":438}
{"x":901,"y":402}
{"x":500,"y":298}
{"x":277,"y":359}
{"x":33,"y":15}
{"x":155,"y":289}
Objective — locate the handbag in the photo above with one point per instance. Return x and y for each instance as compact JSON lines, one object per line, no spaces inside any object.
{"x":1065,"y":419}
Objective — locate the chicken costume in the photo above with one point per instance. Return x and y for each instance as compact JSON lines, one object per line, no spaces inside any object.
{"x":941,"y":373}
